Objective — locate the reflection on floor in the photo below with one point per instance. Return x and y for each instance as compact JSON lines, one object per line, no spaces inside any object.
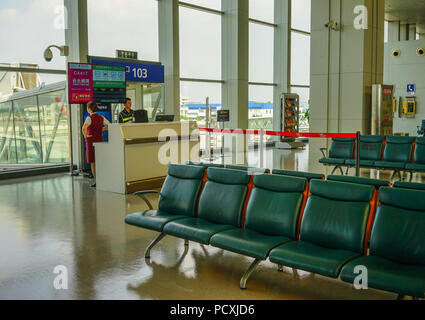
{"x":59,"y":220}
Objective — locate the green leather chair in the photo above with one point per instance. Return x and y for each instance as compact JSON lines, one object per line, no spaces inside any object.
{"x":409,"y":185}
{"x":309,"y":176}
{"x":397,"y":154}
{"x":341,"y":149}
{"x":271,"y":219}
{"x":370,"y":151}
{"x":418,"y":164}
{"x":396,"y":262}
{"x":178,"y":198}
{"x":333,"y":229}
{"x":220,"y":207}
{"x":204,"y":164}
{"x":252,"y":170}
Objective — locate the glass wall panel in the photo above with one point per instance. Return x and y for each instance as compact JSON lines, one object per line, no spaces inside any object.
{"x":262,"y":10}
{"x":260,"y":53}
{"x":27,"y":130}
{"x":304,"y":94}
{"x":260,"y":107}
{"x":7,"y":134}
{"x":212,"y":4}
{"x":127,"y":25}
{"x":54,"y":127}
{"x":301,"y":15}
{"x":200,"y":44}
{"x":193,"y":97}
{"x":300,"y":59}
{"x":27,"y":28}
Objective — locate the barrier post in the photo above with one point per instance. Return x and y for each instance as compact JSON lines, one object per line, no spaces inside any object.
{"x":357,"y":153}
{"x":261,"y":147}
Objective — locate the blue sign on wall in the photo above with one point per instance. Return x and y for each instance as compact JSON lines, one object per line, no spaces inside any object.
{"x":223,"y":115}
{"x":137,"y":72}
{"x":410,"y":88}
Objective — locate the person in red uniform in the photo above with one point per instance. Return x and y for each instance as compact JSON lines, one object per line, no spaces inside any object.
{"x":93,"y":132}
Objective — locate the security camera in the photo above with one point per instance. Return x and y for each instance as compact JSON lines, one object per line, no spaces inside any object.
{"x":332,"y":25}
{"x":48,"y":55}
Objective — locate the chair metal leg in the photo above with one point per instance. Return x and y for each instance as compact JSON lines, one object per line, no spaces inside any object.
{"x":152,"y":244}
{"x":393,"y":175}
{"x":340,"y":169}
{"x":279,"y":268}
{"x":186,"y":243}
{"x":411,"y":176}
{"x":346,"y":171}
{"x":248,"y":273}
{"x":400,"y":297}
{"x":337,"y":167}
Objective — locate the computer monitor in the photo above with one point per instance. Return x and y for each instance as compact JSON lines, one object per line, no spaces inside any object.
{"x":141,"y":116}
{"x":164,"y":117}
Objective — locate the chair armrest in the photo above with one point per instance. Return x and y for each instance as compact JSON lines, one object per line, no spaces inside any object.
{"x":322,"y":150}
{"x":142,"y":194}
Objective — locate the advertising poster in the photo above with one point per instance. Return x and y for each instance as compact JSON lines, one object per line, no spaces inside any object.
{"x":80,"y":82}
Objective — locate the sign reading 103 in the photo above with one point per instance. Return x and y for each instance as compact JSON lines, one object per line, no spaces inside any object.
{"x":139,"y":73}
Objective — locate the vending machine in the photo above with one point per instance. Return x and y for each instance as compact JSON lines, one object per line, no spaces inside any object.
{"x":290,"y":121}
{"x":382,"y":110}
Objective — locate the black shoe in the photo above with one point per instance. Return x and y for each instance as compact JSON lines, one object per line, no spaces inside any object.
{"x":93,"y":185}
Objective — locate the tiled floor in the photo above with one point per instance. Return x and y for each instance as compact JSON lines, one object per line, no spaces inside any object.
{"x":59,"y":220}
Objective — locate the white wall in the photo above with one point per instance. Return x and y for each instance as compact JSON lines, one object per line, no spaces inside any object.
{"x":408,"y":68}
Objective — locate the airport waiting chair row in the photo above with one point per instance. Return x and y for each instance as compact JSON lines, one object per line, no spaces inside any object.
{"x":400,"y":154}
{"x":324,"y":227}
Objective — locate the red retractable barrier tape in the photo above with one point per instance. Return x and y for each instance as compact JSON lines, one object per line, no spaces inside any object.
{"x":283,"y":134}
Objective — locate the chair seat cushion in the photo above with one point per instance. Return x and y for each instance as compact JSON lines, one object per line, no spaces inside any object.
{"x":247,"y":242}
{"x":387,"y":275}
{"x":310,"y":257}
{"x":363,"y":163}
{"x":415,"y":167}
{"x":332,"y":161}
{"x":195,"y":229}
{"x":151,"y":219}
{"x":390,"y":164}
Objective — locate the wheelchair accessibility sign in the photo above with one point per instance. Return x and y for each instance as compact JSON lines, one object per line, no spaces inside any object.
{"x":411,"y":88}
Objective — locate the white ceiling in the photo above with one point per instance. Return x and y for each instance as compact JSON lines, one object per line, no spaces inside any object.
{"x":406,"y":11}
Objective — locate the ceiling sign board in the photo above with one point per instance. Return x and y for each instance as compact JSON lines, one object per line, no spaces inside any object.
{"x":80,"y":82}
{"x":109,"y":84}
{"x":137,"y":72}
{"x":125,"y":54}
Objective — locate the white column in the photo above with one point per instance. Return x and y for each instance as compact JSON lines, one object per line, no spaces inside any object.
{"x":393,"y":31}
{"x":344,"y":65}
{"x":282,"y":60}
{"x":76,"y":37}
{"x":235,"y":62}
{"x":168,"y":30}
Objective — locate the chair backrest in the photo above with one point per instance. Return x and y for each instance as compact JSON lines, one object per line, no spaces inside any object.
{"x":274,"y":205}
{"x":399,"y":230}
{"x":181,"y":188}
{"x":376,"y":183}
{"x":252,"y":170}
{"x":371,"y":147}
{"x":336,"y":215}
{"x":342,"y":148}
{"x":409,"y":185}
{"x":398,"y":149}
{"x":419,"y":156}
{"x":223,"y":197}
{"x":299,"y":174}
{"x":204,"y":164}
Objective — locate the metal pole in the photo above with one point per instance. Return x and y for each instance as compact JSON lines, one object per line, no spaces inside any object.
{"x":357,"y":153}
{"x":261,"y":147}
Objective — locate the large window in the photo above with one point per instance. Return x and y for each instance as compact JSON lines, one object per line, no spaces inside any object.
{"x":27,"y":28}
{"x":200,"y":44}
{"x":262,"y":10}
{"x":127,"y":25}
{"x":261,"y":54}
{"x":200,"y":59}
{"x":300,"y":57}
{"x":7,"y":134}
